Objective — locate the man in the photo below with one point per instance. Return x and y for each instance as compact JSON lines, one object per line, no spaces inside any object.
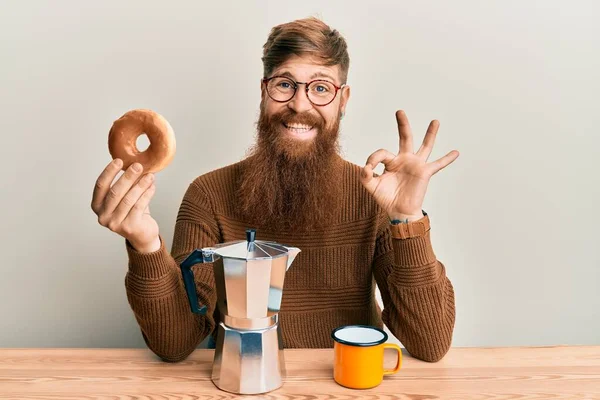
{"x":355,"y":229}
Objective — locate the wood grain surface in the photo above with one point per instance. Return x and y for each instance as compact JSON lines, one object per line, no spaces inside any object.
{"x":465,"y":373}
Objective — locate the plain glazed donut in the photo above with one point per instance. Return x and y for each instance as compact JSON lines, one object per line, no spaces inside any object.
{"x":125,"y":131}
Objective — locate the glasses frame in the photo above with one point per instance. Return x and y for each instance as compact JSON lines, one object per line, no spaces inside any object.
{"x":306,"y":85}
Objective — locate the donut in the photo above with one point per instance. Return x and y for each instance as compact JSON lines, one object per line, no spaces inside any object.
{"x":125,"y":131}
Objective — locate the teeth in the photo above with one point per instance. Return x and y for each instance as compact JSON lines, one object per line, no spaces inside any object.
{"x":301,"y":127}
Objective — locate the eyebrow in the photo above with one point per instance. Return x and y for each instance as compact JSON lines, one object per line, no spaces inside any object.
{"x":319,"y":74}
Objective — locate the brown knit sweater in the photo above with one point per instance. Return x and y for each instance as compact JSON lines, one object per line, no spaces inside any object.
{"x":331,"y":282}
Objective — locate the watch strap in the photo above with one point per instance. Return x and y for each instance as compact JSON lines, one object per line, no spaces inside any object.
{"x":416,"y":228}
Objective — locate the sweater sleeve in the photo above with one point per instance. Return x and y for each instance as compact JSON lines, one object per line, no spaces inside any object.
{"x":155,"y":288}
{"x":417,"y":296}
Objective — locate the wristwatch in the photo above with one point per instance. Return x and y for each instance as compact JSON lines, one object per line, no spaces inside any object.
{"x":405,"y":230}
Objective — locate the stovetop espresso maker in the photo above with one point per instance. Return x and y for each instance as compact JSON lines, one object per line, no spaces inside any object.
{"x":249,"y":276}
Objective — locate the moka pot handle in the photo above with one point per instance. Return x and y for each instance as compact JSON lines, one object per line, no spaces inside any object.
{"x":196,"y":257}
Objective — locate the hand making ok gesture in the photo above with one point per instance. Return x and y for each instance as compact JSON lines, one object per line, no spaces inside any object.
{"x":401,"y":189}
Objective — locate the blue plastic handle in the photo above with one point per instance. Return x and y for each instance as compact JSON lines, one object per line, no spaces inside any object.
{"x":194,"y":258}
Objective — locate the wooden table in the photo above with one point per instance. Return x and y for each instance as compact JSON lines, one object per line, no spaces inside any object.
{"x":465,"y":373}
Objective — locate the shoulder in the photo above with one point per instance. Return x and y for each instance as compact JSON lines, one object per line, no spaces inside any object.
{"x":218,"y":179}
{"x":214,"y":189}
{"x":352,"y":181}
{"x":356,"y":196}
{"x":352,"y":171}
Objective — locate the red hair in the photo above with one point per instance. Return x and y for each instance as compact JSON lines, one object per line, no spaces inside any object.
{"x":309,"y":36}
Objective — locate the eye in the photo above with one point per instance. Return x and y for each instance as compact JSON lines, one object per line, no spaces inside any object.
{"x":321,"y":88}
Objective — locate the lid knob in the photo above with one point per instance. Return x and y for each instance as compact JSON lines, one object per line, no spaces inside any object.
{"x":250,"y":235}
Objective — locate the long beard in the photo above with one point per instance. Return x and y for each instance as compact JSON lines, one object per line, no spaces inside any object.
{"x":289,"y":184}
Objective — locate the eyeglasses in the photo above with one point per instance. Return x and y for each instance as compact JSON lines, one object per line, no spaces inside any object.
{"x":282,"y":89}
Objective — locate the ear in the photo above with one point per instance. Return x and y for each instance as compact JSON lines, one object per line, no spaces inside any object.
{"x":344,"y":97}
{"x":262,"y":90}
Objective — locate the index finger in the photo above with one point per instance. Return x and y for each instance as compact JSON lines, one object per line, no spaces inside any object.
{"x":103,"y":183}
{"x":380,"y":156}
{"x":406,"y":142}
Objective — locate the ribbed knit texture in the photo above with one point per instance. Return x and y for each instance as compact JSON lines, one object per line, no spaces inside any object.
{"x":331,"y":282}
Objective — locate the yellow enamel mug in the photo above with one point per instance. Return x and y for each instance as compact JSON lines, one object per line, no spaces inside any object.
{"x":358,"y":356}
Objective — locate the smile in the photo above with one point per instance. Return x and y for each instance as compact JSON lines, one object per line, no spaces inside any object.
{"x":300,"y":131}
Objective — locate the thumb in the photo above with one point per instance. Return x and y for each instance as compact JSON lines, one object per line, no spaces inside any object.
{"x":367,"y":179}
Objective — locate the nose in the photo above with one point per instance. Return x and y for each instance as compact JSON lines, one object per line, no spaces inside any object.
{"x":300,"y":103}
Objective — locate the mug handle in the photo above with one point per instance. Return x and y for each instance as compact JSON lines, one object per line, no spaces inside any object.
{"x":399,"y":363}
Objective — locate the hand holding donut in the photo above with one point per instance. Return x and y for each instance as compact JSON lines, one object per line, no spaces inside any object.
{"x":124,"y":207}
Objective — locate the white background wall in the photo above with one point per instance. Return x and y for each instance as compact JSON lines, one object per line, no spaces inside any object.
{"x":514,"y":83}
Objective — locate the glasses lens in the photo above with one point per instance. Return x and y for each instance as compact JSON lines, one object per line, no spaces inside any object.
{"x":321,"y":92}
{"x":281,"y":89}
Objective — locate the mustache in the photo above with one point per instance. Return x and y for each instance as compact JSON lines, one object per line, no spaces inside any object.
{"x":290,"y":117}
